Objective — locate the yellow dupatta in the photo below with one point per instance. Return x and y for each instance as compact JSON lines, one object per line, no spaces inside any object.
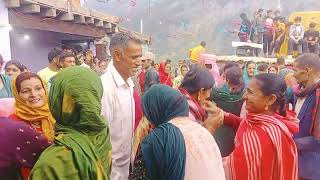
{"x":30,"y":114}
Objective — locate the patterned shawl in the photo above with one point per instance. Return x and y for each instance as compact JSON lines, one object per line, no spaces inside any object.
{"x":30,"y":114}
{"x":82,"y":148}
{"x":196,"y":113}
{"x":264,"y":149}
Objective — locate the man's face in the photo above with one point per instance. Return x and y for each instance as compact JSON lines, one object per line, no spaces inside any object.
{"x":146,"y":63}
{"x":56,"y":62}
{"x":301,"y":74}
{"x":128,"y":59}
{"x":68,"y":62}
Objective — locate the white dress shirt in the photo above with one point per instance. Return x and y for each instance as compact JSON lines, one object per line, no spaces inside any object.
{"x":118,"y":107}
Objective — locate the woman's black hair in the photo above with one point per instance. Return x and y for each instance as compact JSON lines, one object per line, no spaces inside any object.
{"x":20,"y":66}
{"x":197,"y":78}
{"x":274,"y":84}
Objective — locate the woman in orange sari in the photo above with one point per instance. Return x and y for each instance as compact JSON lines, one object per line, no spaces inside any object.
{"x":264,"y":148}
{"x":31,"y":106}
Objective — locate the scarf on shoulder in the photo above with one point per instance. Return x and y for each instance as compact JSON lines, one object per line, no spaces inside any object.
{"x":251,"y":149}
{"x":315,"y":128}
{"x":197,"y":112}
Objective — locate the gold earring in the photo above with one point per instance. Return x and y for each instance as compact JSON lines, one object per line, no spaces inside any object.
{"x":199,"y":97}
{"x":266,"y":108}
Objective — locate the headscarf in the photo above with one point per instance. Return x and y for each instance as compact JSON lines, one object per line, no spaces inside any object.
{"x":30,"y":114}
{"x":75,"y":101}
{"x":246,"y":77}
{"x":211,"y":60}
{"x":163,"y":150}
{"x":178,"y":80}
{"x":165,"y":78}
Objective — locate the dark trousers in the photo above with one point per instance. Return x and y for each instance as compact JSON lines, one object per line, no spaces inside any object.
{"x":313,"y":48}
{"x":301,"y":46}
{"x":267,"y":43}
{"x":257,"y":38}
{"x":277,"y":44}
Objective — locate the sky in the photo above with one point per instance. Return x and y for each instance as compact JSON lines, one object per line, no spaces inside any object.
{"x":178,"y":25}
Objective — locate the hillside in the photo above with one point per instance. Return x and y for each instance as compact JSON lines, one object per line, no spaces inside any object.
{"x":177,"y":25}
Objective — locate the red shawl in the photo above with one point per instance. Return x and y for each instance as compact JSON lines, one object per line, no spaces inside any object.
{"x":264,"y":149}
{"x":165,"y":78}
{"x":196,"y":111}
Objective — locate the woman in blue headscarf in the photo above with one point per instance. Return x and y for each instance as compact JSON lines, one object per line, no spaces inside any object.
{"x":249,"y":71}
{"x":177,"y":148}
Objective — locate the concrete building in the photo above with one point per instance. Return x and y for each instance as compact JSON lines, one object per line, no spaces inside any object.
{"x":30,"y":28}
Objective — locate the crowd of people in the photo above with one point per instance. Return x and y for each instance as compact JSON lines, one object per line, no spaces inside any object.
{"x":134,"y":119}
{"x":271,"y":30}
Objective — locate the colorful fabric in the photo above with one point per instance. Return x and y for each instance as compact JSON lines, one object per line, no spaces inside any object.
{"x":30,"y":114}
{"x":210,"y":59}
{"x":264,"y":149}
{"x":142,"y":80}
{"x":203,"y":158}
{"x":20,"y":148}
{"x":164,"y":150}
{"x":138,"y":108}
{"x":195,"y":52}
{"x":6,"y":107}
{"x":315,"y":127}
{"x":165,"y":78}
{"x":196,"y":111}
{"x":82,"y":148}
{"x":6,"y":91}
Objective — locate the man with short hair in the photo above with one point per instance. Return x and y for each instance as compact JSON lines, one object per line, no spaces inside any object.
{"x":296,"y":34}
{"x":307,"y":107}
{"x":283,"y":70}
{"x":151,"y":75}
{"x":118,"y":105}
{"x":196,"y":51}
{"x":312,"y":38}
{"x":231,"y":102}
{"x":47,"y":73}
{"x":67,"y":59}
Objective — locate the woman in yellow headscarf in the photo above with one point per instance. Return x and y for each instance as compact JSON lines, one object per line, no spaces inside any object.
{"x":31,"y":103}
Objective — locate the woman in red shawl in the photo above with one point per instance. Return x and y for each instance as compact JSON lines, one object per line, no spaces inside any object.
{"x":264,"y":148}
{"x":164,"y":73}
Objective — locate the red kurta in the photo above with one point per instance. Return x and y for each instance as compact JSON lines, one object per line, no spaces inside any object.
{"x":264,"y":148}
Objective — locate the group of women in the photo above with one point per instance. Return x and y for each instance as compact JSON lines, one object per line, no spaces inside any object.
{"x":65,"y":126}
{"x":264,"y":148}
{"x":61,"y":135}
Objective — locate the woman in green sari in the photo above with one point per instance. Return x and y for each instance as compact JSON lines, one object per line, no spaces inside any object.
{"x":81,"y":148}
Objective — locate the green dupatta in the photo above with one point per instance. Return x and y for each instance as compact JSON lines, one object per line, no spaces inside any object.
{"x":82,"y":148}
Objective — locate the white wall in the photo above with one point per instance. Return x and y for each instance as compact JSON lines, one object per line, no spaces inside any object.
{"x":33,"y":53}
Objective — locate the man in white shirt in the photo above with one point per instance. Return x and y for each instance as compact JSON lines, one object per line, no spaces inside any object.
{"x":117,"y":101}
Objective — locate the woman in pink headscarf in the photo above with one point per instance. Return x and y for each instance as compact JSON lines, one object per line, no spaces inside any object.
{"x":209,"y":61}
